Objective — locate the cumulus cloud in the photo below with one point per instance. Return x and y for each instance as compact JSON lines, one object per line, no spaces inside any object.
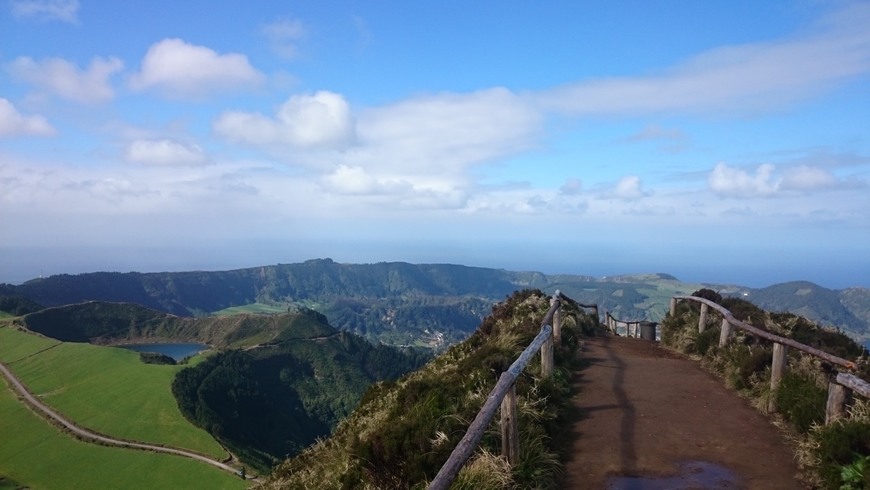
{"x":13,"y":123}
{"x":180,"y":69}
{"x":766,"y":181}
{"x":164,"y":152}
{"x":61,"y":10}
{"x":284,"y":36}
{"x":749,"y":77}
{"x":356,"y":181}
{"x":629,"y":188}
{"x":59,"y":77}
{"x":727,"y":181}
{"x":317,"y":120}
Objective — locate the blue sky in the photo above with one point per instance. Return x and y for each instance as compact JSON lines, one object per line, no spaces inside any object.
{"x":717,"y":141}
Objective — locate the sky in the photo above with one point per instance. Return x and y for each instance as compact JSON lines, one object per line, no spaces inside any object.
{"x":723,"y":142}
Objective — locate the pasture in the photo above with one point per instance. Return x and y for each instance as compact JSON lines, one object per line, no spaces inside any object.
{"x":104,"y":389}
{"x":36,"y":454}
{"x":258,"y":308}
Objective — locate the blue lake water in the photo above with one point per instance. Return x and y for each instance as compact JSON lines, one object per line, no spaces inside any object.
{"x":175,"y":351}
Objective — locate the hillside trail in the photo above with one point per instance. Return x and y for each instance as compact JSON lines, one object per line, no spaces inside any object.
{"x":647,"y":418}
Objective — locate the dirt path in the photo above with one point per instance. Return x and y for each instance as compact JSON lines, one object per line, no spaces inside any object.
{"x":85,"y":434}
{"x":644,"y":411}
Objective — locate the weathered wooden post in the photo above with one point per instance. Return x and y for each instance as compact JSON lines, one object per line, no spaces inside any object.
{"x":725,"y":334}
{"x":841,"y":388}
{"x":547,"y":358}
{"x":557,"y":321}
{"x":702,"y":322}
{"x":597,"y":319}
{"x":777,"y":368}
{"x":510,"y":430}
{"x":835,"y":407}
{"x":673,"y":306}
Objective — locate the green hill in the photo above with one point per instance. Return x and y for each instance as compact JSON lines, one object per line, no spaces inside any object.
{"x":277,"y":383}
{"x":848,"y":309}
{"x":403,"y":431}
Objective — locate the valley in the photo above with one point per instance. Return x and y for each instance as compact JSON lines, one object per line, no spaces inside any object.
{"x":292,"y":348}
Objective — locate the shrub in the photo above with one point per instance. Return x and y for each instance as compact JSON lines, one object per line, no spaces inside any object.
{"x":801,"y":401}
{"x":843,"y":445}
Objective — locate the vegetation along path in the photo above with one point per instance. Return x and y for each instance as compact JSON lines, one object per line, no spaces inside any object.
{"x":85,"y":434}
{"x":649,"y":417}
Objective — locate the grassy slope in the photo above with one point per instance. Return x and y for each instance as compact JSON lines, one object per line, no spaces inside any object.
{"x":40,"y":456}
{"x":251,"y":308}
{"x":105,"y":389}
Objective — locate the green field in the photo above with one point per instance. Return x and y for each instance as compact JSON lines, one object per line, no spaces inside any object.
{"x":251,"y":308}
{"x":105,"y":389}
{"x":36,"y":454}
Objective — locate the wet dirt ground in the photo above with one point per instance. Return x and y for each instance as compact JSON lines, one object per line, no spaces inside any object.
{"x":649,"y":419}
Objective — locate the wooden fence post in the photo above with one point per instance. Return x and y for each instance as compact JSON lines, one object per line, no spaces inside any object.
{"x":557,"y":324}
{"x":595,"y":312}
{"x":510,"y":431}
{"x":836,"y":405}
{"x":702,"y":322}
{"x":725,"y":334}
{"x":673,"y":306}
{"x":547,"y":358}
{"x":777,"y":368}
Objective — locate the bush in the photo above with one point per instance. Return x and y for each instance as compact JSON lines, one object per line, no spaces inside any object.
{"x":843,"y":445}
{"x":801,"y":401}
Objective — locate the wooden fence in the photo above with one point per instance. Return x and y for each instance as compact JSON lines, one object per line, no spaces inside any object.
{"x":634,"y":329}
{"x":504,"y":396}
{"x":838,"y":388}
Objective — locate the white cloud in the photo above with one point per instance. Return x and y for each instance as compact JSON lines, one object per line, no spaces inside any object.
{"x":62,"y":10}
{"x":727,"y":181}
{"x":447,"y":133}
{"x":13,"y":123}
{"x":743,"y":78}
{"x":64,"y":79}
{"x":320,"y":120}
{"x":807,"y":178}
{"x":418,"y":151}
{"x":629,"y":188}
{"x":180,"y":69}
{"x":164,"y":152}
{"x":356,"y":181}
{"x":284,"y":35}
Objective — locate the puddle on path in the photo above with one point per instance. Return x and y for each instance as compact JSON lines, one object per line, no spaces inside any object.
{"x":691,"y":475}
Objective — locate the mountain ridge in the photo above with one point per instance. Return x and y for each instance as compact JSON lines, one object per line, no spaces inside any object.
{"x":417,"y":304}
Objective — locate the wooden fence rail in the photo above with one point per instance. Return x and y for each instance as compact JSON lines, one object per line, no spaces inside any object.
{"x":503,"y":397}
{"x":838,"y":388}
{"x":639,"y":329}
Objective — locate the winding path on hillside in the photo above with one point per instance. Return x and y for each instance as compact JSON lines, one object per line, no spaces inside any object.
{"x":644,"y":411}
{"x":87,"y":435}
